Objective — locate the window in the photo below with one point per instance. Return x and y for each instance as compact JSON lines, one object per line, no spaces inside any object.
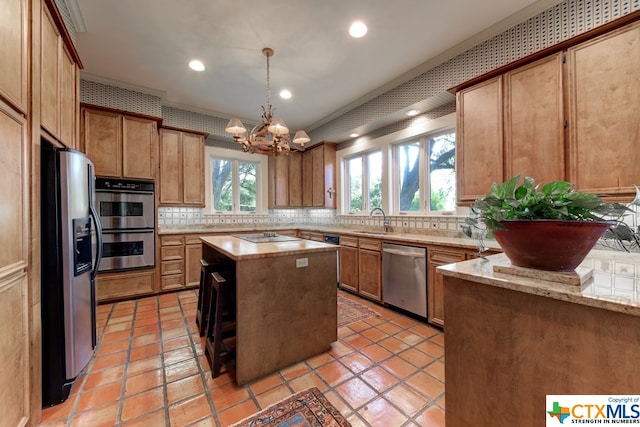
{"x":426,"y":186}
{"x":367,"y":169}
{"x":234,"y":185}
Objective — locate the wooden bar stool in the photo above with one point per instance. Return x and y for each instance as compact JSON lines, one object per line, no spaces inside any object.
{"x":221,"y":325}
{"x":204,"y":295}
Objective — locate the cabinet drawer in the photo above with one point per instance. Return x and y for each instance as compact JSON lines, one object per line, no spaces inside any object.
{"x":172,"y":282}
{"x":349,"y":241}
{"x":446,"y":257}
{"x":193,"y":239}
{"x":318,"y":237}
{"x":370,"y":244}
{"x":171,"y":267}
{"x":171,"y":240}
{"x":122,"y":285}
{"x":171,"y":253}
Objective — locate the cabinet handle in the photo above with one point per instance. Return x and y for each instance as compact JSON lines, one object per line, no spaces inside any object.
{"x":331,"y":191}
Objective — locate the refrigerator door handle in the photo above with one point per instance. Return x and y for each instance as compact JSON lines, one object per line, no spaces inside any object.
{"x":96,"y":221}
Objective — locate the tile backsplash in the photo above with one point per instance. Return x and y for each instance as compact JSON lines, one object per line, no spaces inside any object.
{"x":185,"y":217}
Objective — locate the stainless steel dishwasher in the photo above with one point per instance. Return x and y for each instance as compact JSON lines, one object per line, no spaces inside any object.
{"x":404,"y":280}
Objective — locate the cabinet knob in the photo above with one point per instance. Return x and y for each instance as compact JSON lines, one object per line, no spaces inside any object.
{"x":331,"y":191}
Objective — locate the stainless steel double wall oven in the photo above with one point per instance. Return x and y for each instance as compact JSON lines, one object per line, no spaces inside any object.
{"x":127,"y":213}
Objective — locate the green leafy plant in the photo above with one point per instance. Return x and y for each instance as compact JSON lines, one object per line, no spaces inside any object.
{"x":556,"y":200}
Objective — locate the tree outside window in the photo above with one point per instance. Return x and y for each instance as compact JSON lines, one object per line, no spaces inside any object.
{"x":366,"y":168}
{"x":234,"y":184}
{"x":431,"y":183}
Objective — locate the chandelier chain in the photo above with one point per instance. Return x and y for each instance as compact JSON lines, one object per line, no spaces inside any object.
{"x":268,"y":84}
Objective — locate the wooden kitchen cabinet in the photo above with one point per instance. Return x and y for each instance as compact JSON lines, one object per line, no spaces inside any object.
{"x":120,"y":145}
{"x":370,"y":269}
{"x":15,"y":53}
{"x":17,"y":349}
{"x":534,"y":121}
{"x":180,"y":261}
{"x":125,"y":285}
{"x":319,"y":176}
{"x":509,"y":125}
{"x":479,"y":148}
{"x":348,"y":254}
{"x":171,"y":262}
{"x":181,"y":168}
{"x":285,"y":181}
{"x":361,"y":266}
{"x":438,"y":256}
{"x":604,"y":93}
{"x":59,"y":97}
{"x":192,"y":257}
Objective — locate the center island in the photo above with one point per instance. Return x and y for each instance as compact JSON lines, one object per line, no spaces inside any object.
{"x":286,"y":300}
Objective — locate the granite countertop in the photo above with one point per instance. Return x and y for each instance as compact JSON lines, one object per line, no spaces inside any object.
{"x":239,"y":249}
{"x":424,"y":238}
{"x":615,"y":284}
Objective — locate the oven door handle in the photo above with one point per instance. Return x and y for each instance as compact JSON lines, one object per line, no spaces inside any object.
{"x":128,"y":230}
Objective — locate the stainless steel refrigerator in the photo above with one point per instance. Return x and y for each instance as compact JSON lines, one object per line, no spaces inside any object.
{"x":71,"y":251}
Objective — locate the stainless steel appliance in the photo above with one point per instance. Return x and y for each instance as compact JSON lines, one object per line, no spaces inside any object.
{"x":127,"y":212}
{"x":70,"y":257}
{"x":404,"y":278}
{"x":334,"y":239}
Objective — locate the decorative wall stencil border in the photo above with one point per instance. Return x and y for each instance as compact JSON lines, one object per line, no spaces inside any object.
{"x":66,"y":17}
{"x":122,"y":99}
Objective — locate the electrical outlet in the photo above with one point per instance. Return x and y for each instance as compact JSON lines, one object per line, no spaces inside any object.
{"x":302,"y":262}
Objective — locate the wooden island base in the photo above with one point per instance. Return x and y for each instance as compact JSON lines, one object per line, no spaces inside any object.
{"x":285,"y":314}
{"x":506,"y":350}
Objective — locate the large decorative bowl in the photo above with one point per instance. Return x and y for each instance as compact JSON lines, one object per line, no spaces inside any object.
{"x":551,"y":245}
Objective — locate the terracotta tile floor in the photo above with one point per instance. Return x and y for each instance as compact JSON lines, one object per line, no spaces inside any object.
{"x":150,"y":370}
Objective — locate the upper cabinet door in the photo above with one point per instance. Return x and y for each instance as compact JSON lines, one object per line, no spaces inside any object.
{"x":479,"y":161}
{"x":604,"y":100}
{"x":69,"y":99}
{"x":49,"y":78}
{"x":14,"y":52}
{"x":139,"y":148}
{"x":170,"y":167}
{"x":193,"y":169}
{"x":534,"y":121}
{"x":102,"y":131}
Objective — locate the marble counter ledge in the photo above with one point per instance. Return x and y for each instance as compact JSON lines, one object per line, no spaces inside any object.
{"x":615,"y":285}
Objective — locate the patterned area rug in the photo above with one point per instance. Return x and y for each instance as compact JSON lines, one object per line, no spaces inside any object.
{"x":350,"y":311}
{"x":308,"y":408}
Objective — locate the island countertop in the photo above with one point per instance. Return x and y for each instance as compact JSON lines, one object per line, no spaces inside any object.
{"x":615,"y":285}
{"x":239,"y":249}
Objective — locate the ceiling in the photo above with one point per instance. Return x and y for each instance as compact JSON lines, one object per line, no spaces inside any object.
{"x":146,"y":45}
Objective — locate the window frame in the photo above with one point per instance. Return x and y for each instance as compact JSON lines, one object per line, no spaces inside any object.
{"x":420,"y":127}
{"x":364,"y":156}
{"x":236,"y":156}
{"x":424,"y":172}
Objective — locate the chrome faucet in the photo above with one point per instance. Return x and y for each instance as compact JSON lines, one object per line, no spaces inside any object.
{"x":385,"y":223}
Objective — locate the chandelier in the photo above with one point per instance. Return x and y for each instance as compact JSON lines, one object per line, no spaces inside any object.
{"x":270,"y":137}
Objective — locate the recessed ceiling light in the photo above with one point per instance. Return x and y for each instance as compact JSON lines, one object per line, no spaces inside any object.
{"x":285,"y":94}
{"x":357,"y":29}
{"x":196,"y":65}
{"x":354,"y":135}
{"x":412,"y":113}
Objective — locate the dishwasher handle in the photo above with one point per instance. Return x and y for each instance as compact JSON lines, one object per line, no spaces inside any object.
{"x":404,"y":253}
